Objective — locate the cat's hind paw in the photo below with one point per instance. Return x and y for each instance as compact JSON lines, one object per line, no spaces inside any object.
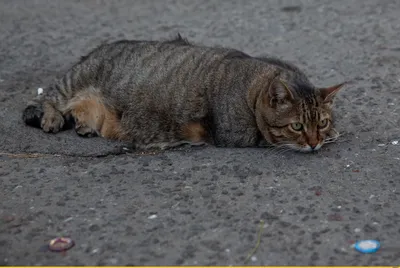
{"x":85,"y":131}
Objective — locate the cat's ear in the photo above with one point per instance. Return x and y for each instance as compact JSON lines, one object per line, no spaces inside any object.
{"x":279,"y":93}
{"x":328,"y":93}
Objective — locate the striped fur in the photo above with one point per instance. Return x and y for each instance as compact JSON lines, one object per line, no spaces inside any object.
{"x":165,"y":93}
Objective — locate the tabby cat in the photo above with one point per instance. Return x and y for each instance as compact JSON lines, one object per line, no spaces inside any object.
{"x":161,"y":94}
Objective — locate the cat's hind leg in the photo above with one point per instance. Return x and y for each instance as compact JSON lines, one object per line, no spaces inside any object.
{"x":93,"y":117}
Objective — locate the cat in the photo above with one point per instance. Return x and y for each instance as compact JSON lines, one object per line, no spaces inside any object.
{"x":161,"y":94}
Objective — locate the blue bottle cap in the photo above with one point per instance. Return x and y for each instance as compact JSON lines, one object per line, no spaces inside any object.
{"x":367,"y":246}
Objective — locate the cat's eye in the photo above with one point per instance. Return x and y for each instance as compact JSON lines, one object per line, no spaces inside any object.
{"x":296,"y":126}
{"x":323,"y":123}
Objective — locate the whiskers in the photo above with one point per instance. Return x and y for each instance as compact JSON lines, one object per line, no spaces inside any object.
{"x":278,"y":149}
{"x":337,"y":139}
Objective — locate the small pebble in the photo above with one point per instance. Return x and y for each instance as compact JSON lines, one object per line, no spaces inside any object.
{"x":357,"y":230}
{"x":113,"y":261}
{"x":151,"y":217}
{"x":335,"y":217}
{"x":253,"y":258}
{"x":381,"y":144}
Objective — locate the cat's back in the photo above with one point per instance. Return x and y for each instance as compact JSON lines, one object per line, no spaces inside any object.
{"x":157,"y":58}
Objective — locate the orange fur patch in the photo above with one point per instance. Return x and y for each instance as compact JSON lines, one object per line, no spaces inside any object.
{"x":193,"y":132}
{"x":88,"y":110}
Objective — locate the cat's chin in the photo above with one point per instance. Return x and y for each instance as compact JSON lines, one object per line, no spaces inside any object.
{"x":304,"y":149}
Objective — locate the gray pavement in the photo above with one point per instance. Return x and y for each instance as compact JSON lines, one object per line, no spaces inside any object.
{"x":203,"y":206}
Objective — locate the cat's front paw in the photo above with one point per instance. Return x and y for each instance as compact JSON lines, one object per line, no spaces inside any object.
{"x":52,"y":122}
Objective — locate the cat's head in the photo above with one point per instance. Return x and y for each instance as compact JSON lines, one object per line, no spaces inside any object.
{"x":293,"y":113}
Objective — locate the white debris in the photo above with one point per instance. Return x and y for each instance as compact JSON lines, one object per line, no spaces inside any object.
{"x":18,"y":186}
{"x":152,"y":217}
{"x":357,"y":230}
{"x":381,"y":144}
{"x":68,"y":219}
{"x":253,"y":258}
{"x":371,"y":196}
{"x":227,"y":250}
{"x":347,"y":165}
{"x":94,"y":251}
{"x":339,"y":207}
{"x":176,"y":205}
{"x":395,"y":142}
{"x":40,"y":91}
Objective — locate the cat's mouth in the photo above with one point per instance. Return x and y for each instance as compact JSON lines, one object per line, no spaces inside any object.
{"x":305,"y":148}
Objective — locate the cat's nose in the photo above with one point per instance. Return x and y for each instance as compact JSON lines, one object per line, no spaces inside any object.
{"x":313,"y":145}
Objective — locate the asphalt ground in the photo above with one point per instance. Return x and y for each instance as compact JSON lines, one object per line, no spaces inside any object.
{"x":203,"y":206}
